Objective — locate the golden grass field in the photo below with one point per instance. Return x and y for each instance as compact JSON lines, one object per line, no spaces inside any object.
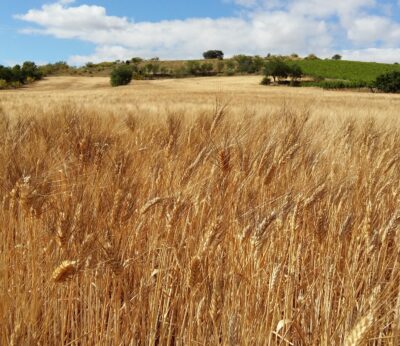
{"x":209,"y":211}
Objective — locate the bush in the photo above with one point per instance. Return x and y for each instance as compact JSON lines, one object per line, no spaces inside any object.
{"x":136,"y":60}
{"x":248,"y":64}
{"x":30,"y":80}
{"x":312,"y":57}
{"x":196,"y":69}
{"x":388,"y":82}
{"x":3,"y":84}
{"x":266,"y":81}
{"x":121,"y":75}
{"x":192,"y":67}
{"x":337,"y":57}
{"x":220,"y":67}
{"x":338,"y":84}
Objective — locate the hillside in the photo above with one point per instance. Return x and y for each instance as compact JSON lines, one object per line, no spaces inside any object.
{"x":327,"y":69}
{"x":346,"y":70}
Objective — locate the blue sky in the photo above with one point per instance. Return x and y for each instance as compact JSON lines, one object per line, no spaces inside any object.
{"x":96,"y":30}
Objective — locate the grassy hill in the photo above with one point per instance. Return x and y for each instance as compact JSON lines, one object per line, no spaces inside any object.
{"x":321,"y":69}
{"x":345,"y":70}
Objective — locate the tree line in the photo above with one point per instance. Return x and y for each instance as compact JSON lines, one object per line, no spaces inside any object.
{"x":19,"y":75}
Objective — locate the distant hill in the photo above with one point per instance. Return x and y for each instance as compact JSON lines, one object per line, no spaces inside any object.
{"x":241,"y":65}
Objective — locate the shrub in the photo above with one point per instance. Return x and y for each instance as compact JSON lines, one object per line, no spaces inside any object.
{"x":16,"y":85}
{"x":213,"y":54}
{"x":295,"y":72}
{"x":388,"y":82}
{"x":338,"y":84}
{"x":121,"y":75}
{"x":206,"y":69}
{"x":193,"y":67}
{"x":337,"y":57}
{"x":136,"y":60}
{"x":247,"y":64}
{"x":312,"y":57}
{"x":196,"y":69}
{"x":3,"y":84}
{"x":30,"y":80}
{"x":152,"y":68}
{"x":266,"y":81}
{"x":220,"y":67}
{"x":230,"y":68}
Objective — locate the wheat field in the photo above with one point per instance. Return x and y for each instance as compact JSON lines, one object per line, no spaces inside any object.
{"x":208,"y":211}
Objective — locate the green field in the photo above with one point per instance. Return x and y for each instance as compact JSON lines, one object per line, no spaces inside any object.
{"x":344,"y":70}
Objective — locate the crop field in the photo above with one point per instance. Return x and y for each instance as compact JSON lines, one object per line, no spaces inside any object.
{"x":345,"y":70}
{"x":205,"y":211}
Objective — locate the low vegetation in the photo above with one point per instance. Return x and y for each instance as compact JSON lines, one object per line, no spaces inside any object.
{"x":339,"y":84}
{"x":121,"y":75}
{"x":388,"y":82}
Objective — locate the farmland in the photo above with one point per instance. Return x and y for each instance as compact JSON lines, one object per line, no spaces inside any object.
{"x":198,"y":211}
{"x":345,"y":70}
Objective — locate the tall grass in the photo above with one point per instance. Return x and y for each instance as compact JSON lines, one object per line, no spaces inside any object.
{"x":198,"y":228}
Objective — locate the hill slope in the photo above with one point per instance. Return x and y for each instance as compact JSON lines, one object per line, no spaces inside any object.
{"x":346,"y":70}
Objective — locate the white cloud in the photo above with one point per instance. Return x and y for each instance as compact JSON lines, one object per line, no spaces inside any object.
{"x":387,"y":55}
{"x":281,"y":27}
{"x":371,"y":29}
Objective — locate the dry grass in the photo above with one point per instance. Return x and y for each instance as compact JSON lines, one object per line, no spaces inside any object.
{"x":126,"y":221}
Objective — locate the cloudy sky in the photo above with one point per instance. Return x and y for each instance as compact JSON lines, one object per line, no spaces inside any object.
{"x":79,"y":31}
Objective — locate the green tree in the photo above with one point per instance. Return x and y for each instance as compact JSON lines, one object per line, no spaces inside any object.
{"x":295,"y":72}
{"x":258,"y":63}
{"x":337,"y":57}
{"x":121,"y":75}
{"x":29,"y":69}
{"x":213,"y":54}
{"x":277,"y":69}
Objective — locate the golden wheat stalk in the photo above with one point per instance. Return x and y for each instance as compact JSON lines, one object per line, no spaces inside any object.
{"x":65,"y":271}
{"x":359,"y":331}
